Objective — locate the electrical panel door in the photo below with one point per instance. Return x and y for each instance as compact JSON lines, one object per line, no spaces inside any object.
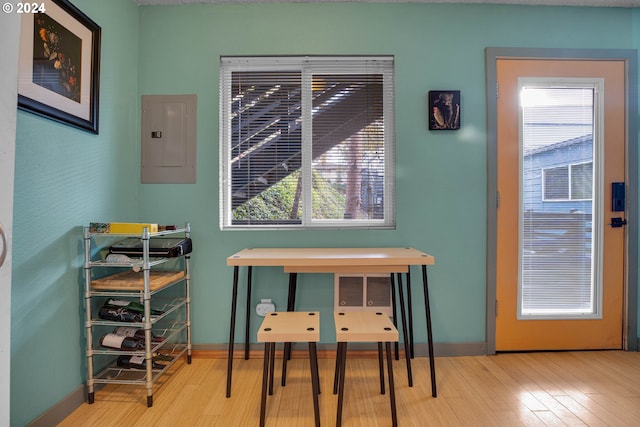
{"x":168,"y":151}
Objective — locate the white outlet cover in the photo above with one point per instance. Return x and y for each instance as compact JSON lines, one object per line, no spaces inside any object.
{"x":264,"y":307}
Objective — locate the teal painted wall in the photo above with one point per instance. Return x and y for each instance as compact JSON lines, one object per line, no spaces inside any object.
{"x":441,"y":177}
{"x":67,"y":178}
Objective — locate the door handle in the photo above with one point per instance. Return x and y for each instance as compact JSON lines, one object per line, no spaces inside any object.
{"x":3,"y":236}
{"x":617,"y":222}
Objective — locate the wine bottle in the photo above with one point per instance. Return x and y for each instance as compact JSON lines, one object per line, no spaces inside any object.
{"x":121,"y":343}
{"x":137,"y":362}
{"x":127,"y":331}
{"x":130,"y":305}
{"x":119,"y":314}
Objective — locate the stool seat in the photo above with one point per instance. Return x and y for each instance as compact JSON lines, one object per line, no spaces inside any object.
{"x":288,"y":327}
{"x":364,"y":326}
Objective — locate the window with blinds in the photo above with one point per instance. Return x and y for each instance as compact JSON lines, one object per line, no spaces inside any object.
{"x":559,"y":274}
{"x":306,"y":142}
{"x":569,"y":182}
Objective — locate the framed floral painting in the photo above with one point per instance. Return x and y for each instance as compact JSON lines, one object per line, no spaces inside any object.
{"x":444,"y":110}
{"x":59,"y":64}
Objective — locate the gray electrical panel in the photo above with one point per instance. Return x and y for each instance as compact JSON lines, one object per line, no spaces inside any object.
{"x":168,"y":143}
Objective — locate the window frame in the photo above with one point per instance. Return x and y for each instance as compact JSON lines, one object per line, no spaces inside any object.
{"x":308,"y":66}
{"x":570,"y":178}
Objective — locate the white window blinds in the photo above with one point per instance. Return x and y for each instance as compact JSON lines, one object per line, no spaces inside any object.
{"x":306,"y":142}
{"x":559,"y":277}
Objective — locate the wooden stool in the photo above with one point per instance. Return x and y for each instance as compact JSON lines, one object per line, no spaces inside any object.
{"x":289,"y":326}
{"x":364,"y":326}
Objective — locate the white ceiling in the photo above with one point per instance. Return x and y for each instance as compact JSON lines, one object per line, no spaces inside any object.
{"x":596,"y":3}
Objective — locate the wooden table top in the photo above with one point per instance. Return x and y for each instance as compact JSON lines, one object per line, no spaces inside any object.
{"x":298,"y":259}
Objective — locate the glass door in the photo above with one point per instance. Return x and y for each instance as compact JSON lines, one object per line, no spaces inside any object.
{"x":559,"y":138}
{"x":560,"y":146}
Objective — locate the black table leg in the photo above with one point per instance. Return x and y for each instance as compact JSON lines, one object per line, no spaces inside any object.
{"x":247,"y":315}
{"x":410,"y":313}
{"x":405,"y":332}
{"x":291,"y":294}
{"x":432,"y":364}
{"x":232,"y":329}
{"x":394,"y":310}
{"x":291,"y":305}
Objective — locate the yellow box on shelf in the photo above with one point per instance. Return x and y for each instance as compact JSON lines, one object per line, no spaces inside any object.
{"x":121,"y":227}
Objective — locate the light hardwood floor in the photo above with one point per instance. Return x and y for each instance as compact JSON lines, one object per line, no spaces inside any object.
{"x":599,"y":388}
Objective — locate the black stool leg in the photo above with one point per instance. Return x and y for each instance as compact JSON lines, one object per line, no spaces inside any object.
{"x":265,"y":380}
{"x":315,"y":381}
{"x":336,"y":375}
{"x":342,"y":369}
{"x":381,"y":367}
{"x":392,"y":391}
{"x":272,"y":360}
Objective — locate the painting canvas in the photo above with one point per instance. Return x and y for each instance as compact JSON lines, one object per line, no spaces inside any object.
{"x":57,"y":54}
{"x":444,"y":110}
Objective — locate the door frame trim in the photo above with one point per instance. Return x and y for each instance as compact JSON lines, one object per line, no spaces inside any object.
{"x":630,"y":57}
